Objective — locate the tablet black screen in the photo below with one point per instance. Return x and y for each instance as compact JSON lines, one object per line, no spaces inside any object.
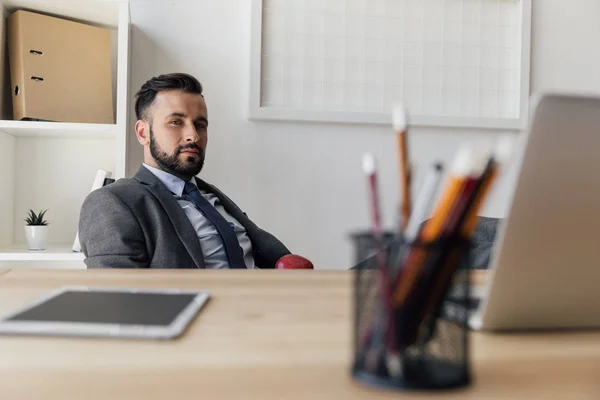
{"x":109,"y":308}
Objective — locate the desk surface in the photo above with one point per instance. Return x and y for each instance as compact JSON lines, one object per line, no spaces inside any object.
{"x":264,"y":335}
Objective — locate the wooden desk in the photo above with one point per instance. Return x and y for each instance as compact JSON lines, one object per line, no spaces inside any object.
{"x":264,"y":335}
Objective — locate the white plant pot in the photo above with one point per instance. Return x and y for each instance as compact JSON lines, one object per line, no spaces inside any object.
{"x":37,"y":236}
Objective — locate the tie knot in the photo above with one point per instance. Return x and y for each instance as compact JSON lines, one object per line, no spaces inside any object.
{"x":189,"y":188}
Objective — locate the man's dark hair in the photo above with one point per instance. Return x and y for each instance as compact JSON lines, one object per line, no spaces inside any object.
{"x":175,"y":81}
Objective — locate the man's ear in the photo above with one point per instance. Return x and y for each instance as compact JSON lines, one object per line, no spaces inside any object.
{"x":142,"y":132}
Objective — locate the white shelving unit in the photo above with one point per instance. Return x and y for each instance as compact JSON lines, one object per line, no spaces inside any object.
{"x":51,"y":165}
{"x":52,"y":253}
{"x":58,"y":129}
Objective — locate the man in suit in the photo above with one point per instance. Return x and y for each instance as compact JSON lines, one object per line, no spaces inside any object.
{"x":166,"y":217}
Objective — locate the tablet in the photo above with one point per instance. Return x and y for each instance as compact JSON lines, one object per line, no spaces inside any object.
{"x":108,"y":312}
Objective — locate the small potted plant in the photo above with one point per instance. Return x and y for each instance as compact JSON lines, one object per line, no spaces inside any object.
{"x":36,"y":231}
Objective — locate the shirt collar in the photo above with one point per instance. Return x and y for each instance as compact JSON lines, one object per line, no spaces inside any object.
{"x":172,"y":182}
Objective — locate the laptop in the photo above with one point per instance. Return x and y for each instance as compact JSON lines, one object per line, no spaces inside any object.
{"x":545,"y":266}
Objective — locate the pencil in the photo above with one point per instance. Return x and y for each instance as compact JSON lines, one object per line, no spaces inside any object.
{"x":502,"y":154}
{"x":370,"y":170}
{"x":465,"y":228}
{"x":471,"y":218}
{"x":419,"y":213}
{"x":486,"y":170}
{"x":465,"y":198}
{"x":401,"y":127}
{"x":437,"y":265}
{"x":385,"y":325}
{"x":430,"y":270}
{"x":459,"y":177}
{"x":461,"y":170}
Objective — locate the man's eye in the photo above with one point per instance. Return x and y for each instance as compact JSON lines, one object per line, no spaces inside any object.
{"x":175,"y":122}
{"x":200,"y":127}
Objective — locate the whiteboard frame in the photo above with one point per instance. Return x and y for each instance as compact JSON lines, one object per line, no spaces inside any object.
{"x":258,"y":112}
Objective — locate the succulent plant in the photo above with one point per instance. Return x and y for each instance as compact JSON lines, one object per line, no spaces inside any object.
{"x":36,"y":219}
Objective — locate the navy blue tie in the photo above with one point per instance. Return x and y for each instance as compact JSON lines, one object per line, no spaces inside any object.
{"x":228,"y":236}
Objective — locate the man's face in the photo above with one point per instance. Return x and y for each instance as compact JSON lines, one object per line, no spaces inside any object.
{"x":175,"y":140}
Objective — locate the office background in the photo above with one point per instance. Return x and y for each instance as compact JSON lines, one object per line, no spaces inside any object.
{"x":303,"y":181}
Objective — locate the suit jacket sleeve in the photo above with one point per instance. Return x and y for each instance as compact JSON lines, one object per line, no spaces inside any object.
{"x":110,"y":234}
{"x":267,"y":248}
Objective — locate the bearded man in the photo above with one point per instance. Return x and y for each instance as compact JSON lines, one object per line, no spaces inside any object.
{"x":166,"y":217}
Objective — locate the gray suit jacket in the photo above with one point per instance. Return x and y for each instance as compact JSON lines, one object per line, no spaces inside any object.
{"x":138,"y":223}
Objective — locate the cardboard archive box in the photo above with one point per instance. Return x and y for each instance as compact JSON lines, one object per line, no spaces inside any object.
{"x":60,"y":70}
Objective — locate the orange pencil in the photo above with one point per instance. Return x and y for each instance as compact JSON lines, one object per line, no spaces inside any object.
{"x":459,"y":175}
{"x":401,"y":127}
{"x":465,"y":200}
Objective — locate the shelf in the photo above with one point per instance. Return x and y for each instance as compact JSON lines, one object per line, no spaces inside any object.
{"x":58,"y":129}
{"x":60,"y":252}
{"x":45,"y":164}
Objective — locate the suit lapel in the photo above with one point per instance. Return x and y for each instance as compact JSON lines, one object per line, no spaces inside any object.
{"x":180,"y":221}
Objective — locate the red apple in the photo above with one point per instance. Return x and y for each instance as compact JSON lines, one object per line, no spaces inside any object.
{"x":293,"y":261}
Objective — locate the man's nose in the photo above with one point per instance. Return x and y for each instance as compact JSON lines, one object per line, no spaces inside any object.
{"x":190,"y":133}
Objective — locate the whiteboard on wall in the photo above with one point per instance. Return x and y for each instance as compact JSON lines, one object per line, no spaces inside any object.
{"x":455,"y":63}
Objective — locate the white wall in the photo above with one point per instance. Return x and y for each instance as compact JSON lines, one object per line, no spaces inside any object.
{"x":303,"y":181}
{"x":566,"y":50}
{"x":39,"y":156}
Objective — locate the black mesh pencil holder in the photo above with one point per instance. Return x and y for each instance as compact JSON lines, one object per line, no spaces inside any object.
{"x":412,"y":333}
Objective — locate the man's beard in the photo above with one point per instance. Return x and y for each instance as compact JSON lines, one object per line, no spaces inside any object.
{"x":172,"y":163}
